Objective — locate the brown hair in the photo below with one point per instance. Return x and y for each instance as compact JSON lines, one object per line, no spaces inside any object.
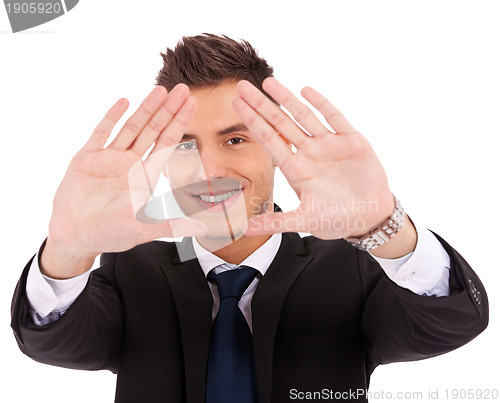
{"x":208,"y":60}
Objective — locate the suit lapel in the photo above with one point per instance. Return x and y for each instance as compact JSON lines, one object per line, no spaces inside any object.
{"x":267,"y":303}
{"x":193,"y":301}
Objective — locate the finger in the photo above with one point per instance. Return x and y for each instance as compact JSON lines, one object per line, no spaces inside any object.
{"x":271,"y":113}
{"x":134,"y":125}
{"x":263,"y":132}
{"x":273,"y":223}
{"x":174,"y":228}
{"x":161,"y":119}
{"x":300,"y":112}
{"x":103,"y":130}
{"x":159,"y":155}
{"x":173,"y":133}
{"x":332,"y":115}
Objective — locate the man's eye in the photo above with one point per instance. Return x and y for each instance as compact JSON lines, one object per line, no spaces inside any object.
{"x":235,"y":140}
{"x":186,"y":145}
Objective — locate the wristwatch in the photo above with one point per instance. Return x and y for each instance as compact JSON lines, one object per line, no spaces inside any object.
{"x":383,"y":232}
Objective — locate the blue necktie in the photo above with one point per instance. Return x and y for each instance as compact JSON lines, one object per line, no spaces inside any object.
{"x":231,"y":370}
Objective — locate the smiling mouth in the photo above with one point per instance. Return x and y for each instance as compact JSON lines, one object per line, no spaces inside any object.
{"x":218,"y":198}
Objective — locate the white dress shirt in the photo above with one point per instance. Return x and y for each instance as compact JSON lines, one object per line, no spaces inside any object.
{"x":424,"y":271}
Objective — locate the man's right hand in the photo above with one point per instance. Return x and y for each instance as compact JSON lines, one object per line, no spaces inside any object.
{"x":93,"y":211}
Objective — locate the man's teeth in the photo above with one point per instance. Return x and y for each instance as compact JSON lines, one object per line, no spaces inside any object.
{"x":218,"y":198}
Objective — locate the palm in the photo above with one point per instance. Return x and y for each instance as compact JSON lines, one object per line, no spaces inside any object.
{"x":337,"y":176}
{"x":96,"y":204}
{"x":94,"y":196}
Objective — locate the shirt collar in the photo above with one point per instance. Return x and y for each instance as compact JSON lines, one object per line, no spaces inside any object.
{"x":260,"y":259}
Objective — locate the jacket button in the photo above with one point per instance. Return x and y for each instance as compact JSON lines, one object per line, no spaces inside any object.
{"x":475,"y":293}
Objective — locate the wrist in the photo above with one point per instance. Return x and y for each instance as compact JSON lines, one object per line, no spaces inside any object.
{"x":402,"y":243}
{"x":60,"y":262}
{"x":383,"y":232}
{"x":374,"y":215}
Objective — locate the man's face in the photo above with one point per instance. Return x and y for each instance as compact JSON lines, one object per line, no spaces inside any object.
{"x":219,"y":173}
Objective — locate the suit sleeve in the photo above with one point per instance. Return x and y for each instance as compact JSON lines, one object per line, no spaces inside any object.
{"x":399,"y":325}
{"x":87,"y":336}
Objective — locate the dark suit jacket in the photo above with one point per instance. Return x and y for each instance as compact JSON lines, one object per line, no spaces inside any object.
{"x":324,"y":316}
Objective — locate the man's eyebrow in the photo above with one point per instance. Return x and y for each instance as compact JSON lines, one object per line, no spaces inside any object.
{"x":238,"y":127}
{"x":188,"y":136}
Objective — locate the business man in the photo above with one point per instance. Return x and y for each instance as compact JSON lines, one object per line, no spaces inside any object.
{"x":258,"y":313}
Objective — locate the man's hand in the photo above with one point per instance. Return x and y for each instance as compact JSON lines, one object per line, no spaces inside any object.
{"x":341,"y":184}
{"x":93,"y":209}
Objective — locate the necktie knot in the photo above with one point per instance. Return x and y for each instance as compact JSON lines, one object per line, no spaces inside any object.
{"x":233,"y":283}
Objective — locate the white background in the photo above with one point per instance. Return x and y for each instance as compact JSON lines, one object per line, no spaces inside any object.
{"x":419,"y":79}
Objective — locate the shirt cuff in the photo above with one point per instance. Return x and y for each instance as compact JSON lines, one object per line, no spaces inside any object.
{"x":424,"y":271}
{"x":46,"y":294}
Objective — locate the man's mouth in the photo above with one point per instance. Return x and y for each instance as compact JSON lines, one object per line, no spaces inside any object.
{"x":218,"y":198}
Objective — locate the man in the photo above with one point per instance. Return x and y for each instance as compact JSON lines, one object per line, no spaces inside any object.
{"x":319,"y":312}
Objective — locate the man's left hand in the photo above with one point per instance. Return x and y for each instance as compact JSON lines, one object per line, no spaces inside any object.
{"x":341,"y":184}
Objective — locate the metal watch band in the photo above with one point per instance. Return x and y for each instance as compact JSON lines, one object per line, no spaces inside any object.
{"x":383,"y":232}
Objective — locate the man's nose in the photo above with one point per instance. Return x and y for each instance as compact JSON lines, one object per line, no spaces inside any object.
{"x":212,"y":165}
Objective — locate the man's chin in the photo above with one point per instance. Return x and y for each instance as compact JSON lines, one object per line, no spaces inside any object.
{"x":218,"y":238}
{"x":225,"y":232}
{"x":223,"y":236}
